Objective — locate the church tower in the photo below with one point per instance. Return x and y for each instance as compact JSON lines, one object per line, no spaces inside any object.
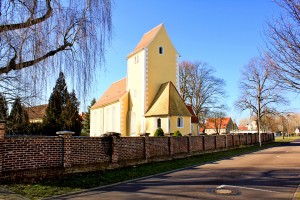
{"x":152,"y":63}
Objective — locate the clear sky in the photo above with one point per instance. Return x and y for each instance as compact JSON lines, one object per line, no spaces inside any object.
{"x":225,"y":34}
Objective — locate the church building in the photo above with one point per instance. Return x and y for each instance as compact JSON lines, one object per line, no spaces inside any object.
{"x":147,"y":98}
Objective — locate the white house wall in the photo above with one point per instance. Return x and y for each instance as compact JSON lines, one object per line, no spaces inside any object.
{"x":106,"y":119}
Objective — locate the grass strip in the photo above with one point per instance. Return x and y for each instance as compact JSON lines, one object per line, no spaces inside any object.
{"x":80,"y":181}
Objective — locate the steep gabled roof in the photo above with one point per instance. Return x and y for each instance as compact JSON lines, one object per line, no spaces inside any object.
{"x":168,"y":102}
{"x":36,"y":112}
{"x":210,"y":122}
{"x":194,"y":118}
{"x":112,"y":94}
{"x":146,"y":39}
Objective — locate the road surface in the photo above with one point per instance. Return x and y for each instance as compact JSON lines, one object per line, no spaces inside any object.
{"x":273,"y":173}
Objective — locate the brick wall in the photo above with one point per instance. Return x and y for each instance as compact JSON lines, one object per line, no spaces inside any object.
{"x":197,"y":143}
{"x":159,"y":146}
{"x":38,"y":156}
{"x":243,"y":139}
{"x":220,"y":141}
{"x":229,"y":140}
{"x":180,"y":144}
{"x":85,"y":150}
{"x":236,"y":140}
{"x":31,"y":152}
{"x":131,"y":148}
{"x":209,"y":142}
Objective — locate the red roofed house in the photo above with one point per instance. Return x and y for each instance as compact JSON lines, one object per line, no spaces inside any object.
{"x":219,"y":125}
{"x":36,"y":113}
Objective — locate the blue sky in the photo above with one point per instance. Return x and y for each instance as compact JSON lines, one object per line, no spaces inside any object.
{"x":225,"y":34}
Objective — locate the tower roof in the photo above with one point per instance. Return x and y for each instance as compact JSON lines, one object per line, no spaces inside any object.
{"x":146,"y":39}
{"x":168,"y":102}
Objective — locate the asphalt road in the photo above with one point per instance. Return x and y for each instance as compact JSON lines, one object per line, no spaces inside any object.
{"x":268,"y":174}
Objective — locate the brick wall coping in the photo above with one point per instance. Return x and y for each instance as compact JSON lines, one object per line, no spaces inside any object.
{"x":64,"y":132}
{"x":29,"y":136}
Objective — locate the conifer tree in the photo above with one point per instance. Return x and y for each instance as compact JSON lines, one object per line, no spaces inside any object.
{"x":86,"y":123}
{"x":70,"y":114}
{"x":57,"y":101}
{"x":18,"y":120}
{"x":3,"y":107}
{"x":62,"y":112}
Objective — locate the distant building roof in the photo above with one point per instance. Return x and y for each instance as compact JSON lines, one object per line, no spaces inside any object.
{"x":168,"y":102}
{"x":36,"y":112}
{"x":194,"y":118}
{"x":210,"y":122}
{"x":112,"y":94}
{"x":243,"y":128}
{"x":146,"y":39}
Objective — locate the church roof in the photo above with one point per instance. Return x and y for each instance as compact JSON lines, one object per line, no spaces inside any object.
{"x":168,"y":102}
{"x":112,"y":94}
{"x":146,"y":39}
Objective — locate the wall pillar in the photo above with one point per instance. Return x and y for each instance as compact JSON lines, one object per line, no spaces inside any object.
{"x":171,"y":144}
{"x":189,"y":143}
{"x":66,"y":135}
{"x":116,"y":146}
{"x":147,"y":145}
{"x":2,"y":133}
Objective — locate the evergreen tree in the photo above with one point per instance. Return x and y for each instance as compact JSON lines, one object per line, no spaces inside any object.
{"x":18,"y":120}
{"x":57,"y":101}
{"x":70,"y":114}
{"x":62,"y":112}
{"x":86,"y":123}
{"x":3,"y":107}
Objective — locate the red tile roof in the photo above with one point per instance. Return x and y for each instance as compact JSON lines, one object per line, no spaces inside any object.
{"x":210,"y":122}
{"x":36,"y":112}
{"x":194,"y":118}
{"x":243,"y":128}
{"x":146,"y":39}
{"x":112,"y":94}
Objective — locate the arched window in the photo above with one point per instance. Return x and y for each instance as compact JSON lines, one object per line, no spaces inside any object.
{"x":159,"y":123}
{"x":179,"y":122}
{"x":161,"y":50}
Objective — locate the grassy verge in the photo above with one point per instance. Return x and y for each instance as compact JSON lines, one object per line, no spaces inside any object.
{"x":286,"y":139}
{"x":77,"y":182}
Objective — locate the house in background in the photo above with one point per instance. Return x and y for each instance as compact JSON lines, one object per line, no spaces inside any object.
{"x":147,"y":98}
{"x":36,"y":113}
{"x":194,"y":121}
{"x":219,"y":125}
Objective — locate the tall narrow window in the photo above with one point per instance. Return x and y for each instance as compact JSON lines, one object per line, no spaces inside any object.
{"x":161,"y":50}
{"x":179,"y":122}
{"x":159,"y":123}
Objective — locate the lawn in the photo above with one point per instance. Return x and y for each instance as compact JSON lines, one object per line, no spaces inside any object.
{"x":78,"y":182}
{"x":286,"y":139}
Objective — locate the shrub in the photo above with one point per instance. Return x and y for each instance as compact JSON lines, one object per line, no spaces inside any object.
{"x":159,"y":132}
{"x":177,"y":133}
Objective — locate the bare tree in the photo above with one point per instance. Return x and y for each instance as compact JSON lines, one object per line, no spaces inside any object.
{"x":200,"y":88}
{"x":258,"y":92}
{"x":217,"y":118}
{"x":283,"y":45}
{"x":45,"y":36}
